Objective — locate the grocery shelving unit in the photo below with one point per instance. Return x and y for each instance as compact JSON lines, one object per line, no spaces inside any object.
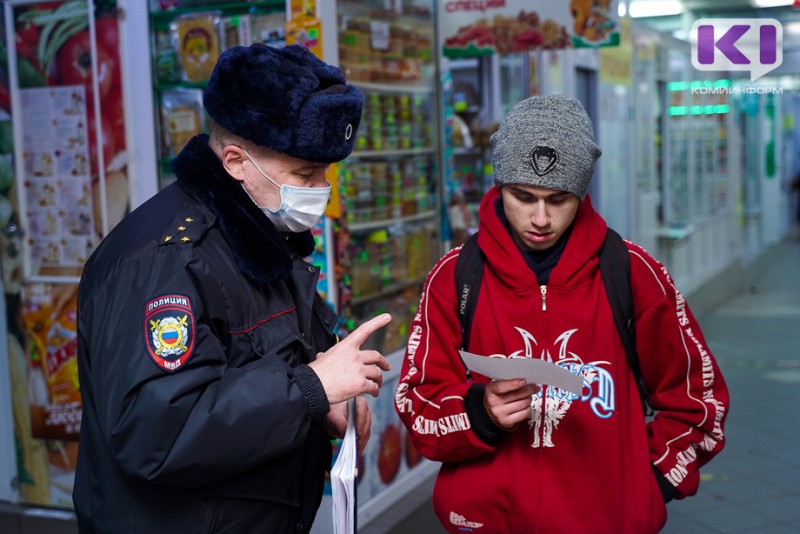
{"x":389,"y":234}
{"x":178,"y":98}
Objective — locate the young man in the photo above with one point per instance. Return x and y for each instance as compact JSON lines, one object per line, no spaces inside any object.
{"x":211,"y":379}
{"x":521,"y":457}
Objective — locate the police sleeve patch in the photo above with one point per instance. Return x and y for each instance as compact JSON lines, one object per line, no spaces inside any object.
{"x":169,"y":331}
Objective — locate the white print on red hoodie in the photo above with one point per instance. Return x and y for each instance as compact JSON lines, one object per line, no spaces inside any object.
{"x":551,"y":404}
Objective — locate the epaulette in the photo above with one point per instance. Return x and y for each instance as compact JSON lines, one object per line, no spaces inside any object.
{"x":188,"y":226}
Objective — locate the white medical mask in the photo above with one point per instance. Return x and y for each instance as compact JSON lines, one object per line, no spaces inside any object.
{"x":301,"y":207}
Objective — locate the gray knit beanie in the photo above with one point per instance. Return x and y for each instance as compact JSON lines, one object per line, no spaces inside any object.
{"x":546,"y":141}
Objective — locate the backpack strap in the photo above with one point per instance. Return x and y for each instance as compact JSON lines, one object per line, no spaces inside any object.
{"x":615,"y":268}
{"x":468,"y":275}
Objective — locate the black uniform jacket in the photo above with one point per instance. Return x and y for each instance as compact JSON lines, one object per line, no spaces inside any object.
{"x":196,"y":321}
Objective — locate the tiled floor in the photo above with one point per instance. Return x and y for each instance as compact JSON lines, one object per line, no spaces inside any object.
{"x":754,"y":484}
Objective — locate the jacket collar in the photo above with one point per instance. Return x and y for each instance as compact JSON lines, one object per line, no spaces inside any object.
{"x":262,"y":253}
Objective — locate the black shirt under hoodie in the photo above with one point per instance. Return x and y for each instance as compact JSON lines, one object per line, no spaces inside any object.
{"x":541,"y":262}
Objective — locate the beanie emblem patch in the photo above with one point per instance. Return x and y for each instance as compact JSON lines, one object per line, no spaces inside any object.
{"x":543,"y":159}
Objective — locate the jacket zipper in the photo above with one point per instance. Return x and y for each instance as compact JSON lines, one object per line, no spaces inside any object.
{"x":543,"y":289}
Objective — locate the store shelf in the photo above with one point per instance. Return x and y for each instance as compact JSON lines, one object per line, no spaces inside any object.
{"x":364,"y":154}
{"x":410,"y":15}
{"x":160,"y":19}
{"x":177,"y":85}
{"x":383,"y":223}
{"x":468,"y":151}
{"x":394,"y":88}
{"x":388,"y":290}
{"x":389,"y":236}
{"x":161,"y":87}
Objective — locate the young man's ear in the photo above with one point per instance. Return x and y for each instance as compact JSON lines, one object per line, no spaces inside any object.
{"x":232,"y":159}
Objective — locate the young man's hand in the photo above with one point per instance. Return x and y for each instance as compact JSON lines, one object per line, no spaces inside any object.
{"x":508,"y":402}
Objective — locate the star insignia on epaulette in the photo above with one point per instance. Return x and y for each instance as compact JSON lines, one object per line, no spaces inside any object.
{"x":186,"y":228}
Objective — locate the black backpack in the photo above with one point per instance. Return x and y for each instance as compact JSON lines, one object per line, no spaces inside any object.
{"x":615,"y":268}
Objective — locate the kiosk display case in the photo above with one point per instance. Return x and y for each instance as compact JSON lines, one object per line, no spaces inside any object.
{"x":388,"y":236}
{"x":186,"y":39}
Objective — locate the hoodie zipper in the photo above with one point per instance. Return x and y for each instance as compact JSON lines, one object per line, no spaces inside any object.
{"x":542,"y":416}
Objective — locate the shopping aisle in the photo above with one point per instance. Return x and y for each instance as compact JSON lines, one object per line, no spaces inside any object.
{"x":754,"y":484}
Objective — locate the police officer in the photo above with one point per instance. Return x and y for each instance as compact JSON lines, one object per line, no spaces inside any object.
{"x":211,"y":380}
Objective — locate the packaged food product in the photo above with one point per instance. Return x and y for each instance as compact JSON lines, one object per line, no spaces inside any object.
{"x":166,"y":61}
{"x":269,"y":28}
{"x":196,"y":40}
{"x":236,"y":31}
{"x":163,"y":4}
{"x":34,"y":478}
{"x":182,"y":118}
{"x":50,"y":323}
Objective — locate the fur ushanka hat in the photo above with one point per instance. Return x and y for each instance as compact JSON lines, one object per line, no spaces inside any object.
{"x":285,"y":99}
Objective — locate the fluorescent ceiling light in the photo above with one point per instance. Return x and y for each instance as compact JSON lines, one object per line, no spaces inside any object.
{"x":792,"y":27}
{"x":622,"y":9}
{"x":772,"y":3}
{"x":655,"y":8}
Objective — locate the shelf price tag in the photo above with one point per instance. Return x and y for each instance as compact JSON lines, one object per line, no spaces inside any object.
{"x":334,"y":208}
{"x":379,"y":35}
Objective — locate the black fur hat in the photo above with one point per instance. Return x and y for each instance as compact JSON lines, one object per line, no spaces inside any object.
{"x":285,"y":99}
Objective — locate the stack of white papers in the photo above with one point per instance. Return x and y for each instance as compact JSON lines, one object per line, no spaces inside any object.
{"x":343,"y":477}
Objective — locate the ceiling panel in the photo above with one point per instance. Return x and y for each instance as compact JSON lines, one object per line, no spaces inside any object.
{"x":694,"y":9}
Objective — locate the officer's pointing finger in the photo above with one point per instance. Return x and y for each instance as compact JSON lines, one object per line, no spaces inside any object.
{"x":360,"y":334}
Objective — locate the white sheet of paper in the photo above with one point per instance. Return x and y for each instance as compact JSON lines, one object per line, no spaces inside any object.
{"x":534,"y":370}
{"x":343,"y":478}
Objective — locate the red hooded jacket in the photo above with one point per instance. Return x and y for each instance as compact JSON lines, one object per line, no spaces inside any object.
{"x":582,"y":463}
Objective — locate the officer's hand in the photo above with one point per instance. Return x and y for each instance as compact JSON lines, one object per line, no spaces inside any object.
{"x":347,"y":371}
{"x":363,"y":423}
{"x":337,"y":421}
{"x":509,"y":401}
